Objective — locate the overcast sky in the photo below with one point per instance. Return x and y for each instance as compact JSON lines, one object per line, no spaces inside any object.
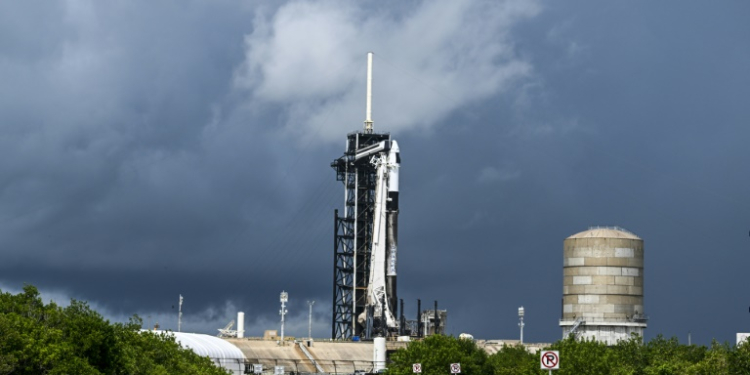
{"x":151,"y":149}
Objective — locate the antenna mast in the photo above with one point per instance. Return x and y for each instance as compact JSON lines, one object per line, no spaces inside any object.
{"x":368,"y":111}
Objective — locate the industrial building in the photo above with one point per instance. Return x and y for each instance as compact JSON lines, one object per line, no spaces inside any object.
{"x":603,"y":285}
{"x":223,"y":353}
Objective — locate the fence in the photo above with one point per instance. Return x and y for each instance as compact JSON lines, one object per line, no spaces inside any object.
{"x":295,"y":366}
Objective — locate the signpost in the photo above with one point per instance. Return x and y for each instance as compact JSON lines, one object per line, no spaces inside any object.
{"x":550,"y":360}
{"x":455,"y":368}
{"x":278,"y":370}
{"x":417,"y":368}
{"x":257,"y":369}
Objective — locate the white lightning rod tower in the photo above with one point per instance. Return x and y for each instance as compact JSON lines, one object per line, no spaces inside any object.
{"x":368,"y":111}
{"x":179,"y":316}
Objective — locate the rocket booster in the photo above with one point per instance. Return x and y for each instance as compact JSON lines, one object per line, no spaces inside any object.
{"x":394,"y":163}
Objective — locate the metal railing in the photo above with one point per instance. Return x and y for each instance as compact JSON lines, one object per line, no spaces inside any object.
{"x":637,"y":318}
{"x":304,"y":366}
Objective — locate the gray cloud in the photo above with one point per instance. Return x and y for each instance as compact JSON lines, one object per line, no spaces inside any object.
{"x":153,"y":149}
{"x":303,"y":56}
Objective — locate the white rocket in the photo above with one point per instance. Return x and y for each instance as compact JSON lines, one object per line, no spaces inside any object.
{"x":381,"y":288}
{"x":394,"y":163}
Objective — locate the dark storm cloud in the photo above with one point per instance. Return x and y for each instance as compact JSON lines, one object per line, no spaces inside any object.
{"x":150,"y":150}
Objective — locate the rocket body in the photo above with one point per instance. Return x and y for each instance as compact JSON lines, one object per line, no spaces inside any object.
{"x":394,"y":163}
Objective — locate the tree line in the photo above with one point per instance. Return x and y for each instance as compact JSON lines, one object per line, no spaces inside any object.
{"x":660,"y":356}
{"x":38,"y":338}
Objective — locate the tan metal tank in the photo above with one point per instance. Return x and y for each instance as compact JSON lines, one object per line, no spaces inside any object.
{"x":603,"y":285}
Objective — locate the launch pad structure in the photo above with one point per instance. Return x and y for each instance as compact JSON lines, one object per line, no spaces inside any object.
{"x":365,"y":236}
{"x":353,"y":236}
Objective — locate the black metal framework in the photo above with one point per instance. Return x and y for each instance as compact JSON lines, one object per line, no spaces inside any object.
{"x":353,"y":236}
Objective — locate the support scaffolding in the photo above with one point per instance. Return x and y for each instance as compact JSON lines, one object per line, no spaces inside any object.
{"x":353,"y":235}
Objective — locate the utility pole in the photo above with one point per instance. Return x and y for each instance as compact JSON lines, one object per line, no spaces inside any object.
{"x":179,"y":316}
{"x":283,"y":298}
{"x":521,"y":324}
{"x":309,"y":320}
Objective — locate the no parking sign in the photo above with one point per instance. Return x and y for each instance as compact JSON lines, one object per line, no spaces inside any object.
{"x":550,"y":360}
{"x":455,"y":368}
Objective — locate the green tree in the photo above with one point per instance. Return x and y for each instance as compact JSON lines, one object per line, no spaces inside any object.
{"x":667,"y":356}
{"x":739,"y":359}
{"x":46,"y":339}
{"x":436,"y":353}
{"x":582,"y":357}
{"x":714,"y":362}
{"x":514,"y":360}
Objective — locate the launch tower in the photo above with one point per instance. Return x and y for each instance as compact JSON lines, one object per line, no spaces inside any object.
{"x":364,"y":272}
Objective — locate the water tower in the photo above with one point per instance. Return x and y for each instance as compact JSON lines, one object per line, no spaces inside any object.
{"x":603,"y":285}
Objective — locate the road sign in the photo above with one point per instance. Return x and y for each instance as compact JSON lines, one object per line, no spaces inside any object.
{"x":278,"y":370}
{"x":455,"y":368}
{"x":257,"y":369}
{"x":416,"y":368}
{"x":550,"y":360}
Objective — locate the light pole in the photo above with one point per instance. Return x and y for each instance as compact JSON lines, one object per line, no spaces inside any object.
{"x":520,"y":324}
{"x":284,"y":297}
{"x":179,"y":316}
{"x":309,"y":320}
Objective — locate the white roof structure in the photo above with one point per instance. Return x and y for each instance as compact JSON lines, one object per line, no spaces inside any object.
{"x":221,"y":352}
{"x":606,"y":232}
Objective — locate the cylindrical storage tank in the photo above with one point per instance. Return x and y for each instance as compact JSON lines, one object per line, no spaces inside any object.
{"x":378,"y":355}
{"x":603,"y":285}
{"x":240,"y":324}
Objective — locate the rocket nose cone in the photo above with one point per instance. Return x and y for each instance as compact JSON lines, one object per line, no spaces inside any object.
{"x":394,"y":147}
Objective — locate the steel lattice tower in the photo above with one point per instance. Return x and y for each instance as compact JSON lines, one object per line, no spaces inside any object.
{"x":353,"y":235}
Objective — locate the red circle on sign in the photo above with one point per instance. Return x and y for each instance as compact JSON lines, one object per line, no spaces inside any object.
{"x":551,"y":357}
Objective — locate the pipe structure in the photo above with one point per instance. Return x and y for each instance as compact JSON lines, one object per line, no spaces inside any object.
{"x":419,"y":317}
{"x":240,"y":325}
{"x":309,"y":320}
{"x":401,"y":321}
{"x":379,"y":354}
{"x":437,"y":320}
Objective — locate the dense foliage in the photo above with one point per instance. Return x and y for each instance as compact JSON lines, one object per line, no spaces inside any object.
{"x":48,"y":339}
{"x":660,"y":356}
